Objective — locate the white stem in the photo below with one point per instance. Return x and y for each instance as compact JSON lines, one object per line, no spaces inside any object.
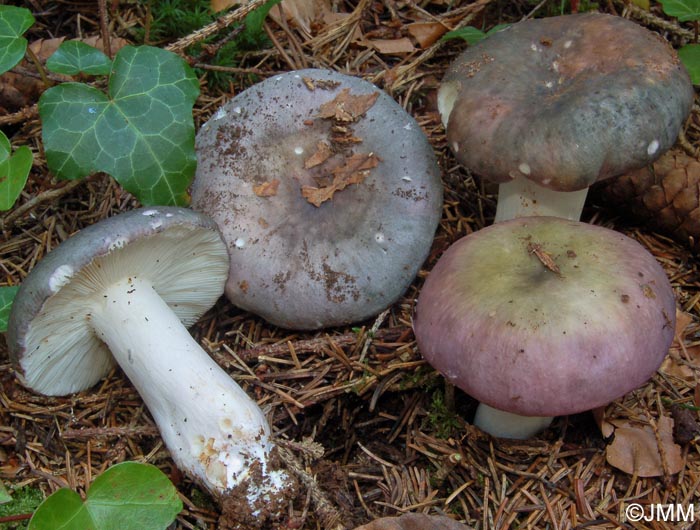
{"x":214,"y":431}
{"x":522,"y":198}
{"x":507,"y":425}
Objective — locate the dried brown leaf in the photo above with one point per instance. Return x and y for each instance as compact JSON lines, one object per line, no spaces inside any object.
{"x":323,"y":153}
{"x":267,"y":189}
{"x":426,"y":33}
{"x":400,"y":46}
{"x":302,"y":13}
{"x":635,"y":449}
{"x":347,"y":108}
{"x":353,"y":171}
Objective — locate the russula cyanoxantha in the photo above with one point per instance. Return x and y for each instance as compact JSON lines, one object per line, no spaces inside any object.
{"x":327,"y":193}
{"x":541,"y":316}
{"x":124,"y":289}
{"x":547,"y":107}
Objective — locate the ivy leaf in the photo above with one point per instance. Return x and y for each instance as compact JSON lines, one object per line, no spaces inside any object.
{"x":7,"y":295}
{"x":683,"y":10}
{"x":73,"y":57}
{"x":141,"y":132}
{"x":14,"y":21}
{"x":472,"y":35}
{"x":690,"y":57}
{"x":128,"y":496}
{"x":14,"y":170}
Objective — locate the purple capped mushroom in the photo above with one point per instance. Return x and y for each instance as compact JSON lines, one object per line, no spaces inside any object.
{"x":539,"y":317}
{"x":547,"y":107}
{"x":328,"y":195}
{"x":124,"y":290}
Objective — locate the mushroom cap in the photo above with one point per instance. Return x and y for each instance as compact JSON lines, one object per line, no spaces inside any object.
{"x":50,"y":341}
{"x":565,"y":101}
{"x":299,"y":265}
{"x":500,"y":323}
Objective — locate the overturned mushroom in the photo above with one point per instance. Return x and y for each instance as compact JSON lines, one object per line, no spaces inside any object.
{"x":547,"y":107}
{"x":124,"y":289}
{"x":327,"y":193}
{"x":540,"y":316}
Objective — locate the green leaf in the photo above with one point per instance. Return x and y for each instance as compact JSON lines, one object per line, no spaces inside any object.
{"x":7,"y":295}
{"x":472,"y":35}
{"x":5,"y":496}
{"x":683,"y":10}
{"x":141,"y":132}
{"x":128,"y":496}
{"x":690,"y":57}
{"x":73,"y":57}
{"x":253,"y":22}
{"x":14,"y":21}
{"x":14,"y":170}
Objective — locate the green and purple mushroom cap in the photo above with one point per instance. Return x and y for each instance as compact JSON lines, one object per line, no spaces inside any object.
{"x":540,"y":316}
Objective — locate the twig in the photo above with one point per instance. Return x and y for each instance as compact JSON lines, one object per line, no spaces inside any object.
{"x":25,"y":114}
{"x":652,"y":20}
{"x":104,"y":27}
{"x":32,"y":203}
{"x":216,"y":26}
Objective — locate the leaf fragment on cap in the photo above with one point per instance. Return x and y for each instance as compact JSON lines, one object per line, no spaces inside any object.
{"x":353,"y":171}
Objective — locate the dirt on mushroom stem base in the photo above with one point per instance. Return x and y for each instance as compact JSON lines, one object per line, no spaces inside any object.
{"x":241,"y":511}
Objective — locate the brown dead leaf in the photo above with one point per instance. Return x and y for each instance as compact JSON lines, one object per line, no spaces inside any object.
{"x":323,"y":153}
{"x":426,"y":33}
{"x":267,"y":189}
{"x":635,"y":450}
{"x":115,"y":43}
{"x":400,"y":46}
{"x":353,"y":171}
{"x":347,"y":108}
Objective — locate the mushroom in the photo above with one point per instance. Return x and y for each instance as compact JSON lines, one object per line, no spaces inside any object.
{"x":547,"y":107}
{"x":124,"y":289}
{"x":539,"y":317}
{"x":327,"y":193}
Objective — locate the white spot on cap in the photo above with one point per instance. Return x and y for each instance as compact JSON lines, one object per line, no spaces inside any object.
{"x":555,"y":66}
{"x":524,"y":168}
{"x":168,"y":215}
{"x":653,"y":147}
{"x":120,"y":242}
{"x":155,"y":225}
{"x":406,"y":178}
{"x":237,"y":110}
{"x":221,"y":113}
{"x":299,"y":150}
{"x":533,"y":47}
{"x":549,"y":84}
{"x":455,"y":147}
{"x":150,"y":213}
{"x":239,"y":242}
{"x":408,"y":127}
{"x":60,"y":277}
{"x":379,"y":238}
{"x":568,"y":44}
